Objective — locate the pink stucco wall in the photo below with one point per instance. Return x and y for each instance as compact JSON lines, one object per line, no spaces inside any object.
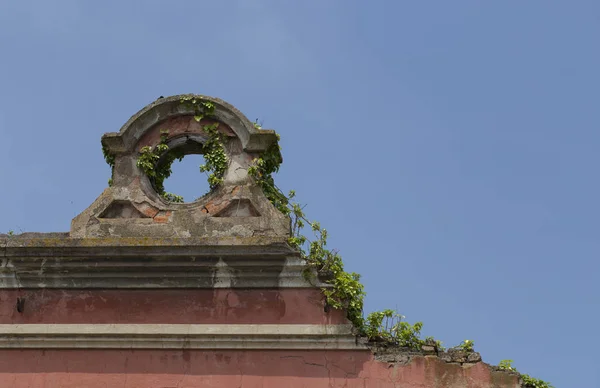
{"x":107,"y":368}
{"x":247,"y":369}
{"x":200,"y":306}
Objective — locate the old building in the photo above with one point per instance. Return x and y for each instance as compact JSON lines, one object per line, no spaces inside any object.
{"x":146,"y":292}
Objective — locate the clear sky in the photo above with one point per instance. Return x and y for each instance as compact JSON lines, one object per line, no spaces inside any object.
{"x":449,"y":147}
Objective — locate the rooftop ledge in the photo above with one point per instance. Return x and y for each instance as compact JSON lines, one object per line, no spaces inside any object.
{"x":57,"y":261}
{"x":178,"y":336}
{"x":62,"y":240}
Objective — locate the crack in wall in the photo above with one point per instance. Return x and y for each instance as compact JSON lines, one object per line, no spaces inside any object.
{"x":304,"y":361}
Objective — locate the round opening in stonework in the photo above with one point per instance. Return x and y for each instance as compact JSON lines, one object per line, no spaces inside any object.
{"x":181,"y":145}
{"x":185,"y":181}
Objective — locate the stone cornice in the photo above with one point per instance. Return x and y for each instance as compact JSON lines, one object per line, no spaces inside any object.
{"x":177,"y":336}
{"x":150,"y":263}
{"x":53,"y":241}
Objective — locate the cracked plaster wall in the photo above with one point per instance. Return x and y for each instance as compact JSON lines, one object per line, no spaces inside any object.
{"x":195,"y":306}
{"x":132,"y":209}
{"x":247,"y":369}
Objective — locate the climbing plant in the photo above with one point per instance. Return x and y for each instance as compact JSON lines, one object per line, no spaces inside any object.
{"x":148,"y":161}
{"x":528,"y":381}
{"x":213,"y":148}
{"x":215,"y":156}
{"x":156,"y":162}
{"x":110,"y":160}
{"x":344,"y":288}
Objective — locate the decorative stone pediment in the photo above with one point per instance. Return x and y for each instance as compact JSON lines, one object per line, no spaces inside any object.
{"x":133,"y":207}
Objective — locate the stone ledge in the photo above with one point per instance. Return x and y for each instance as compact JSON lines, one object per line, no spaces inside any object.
{"x":36,"y":261}
{"x":154,"y":272}
{"x":51,"y":241}
{"x":177,"y":336}
{"x":395,"y":354}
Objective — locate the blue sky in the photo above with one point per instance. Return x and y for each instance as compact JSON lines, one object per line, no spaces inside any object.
{"x":450,"y":147}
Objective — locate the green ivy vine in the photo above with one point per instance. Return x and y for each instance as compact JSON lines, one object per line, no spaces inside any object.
{"x":148,"y":162}
{"x":110,"y":160}
{"x":214,"y":155}
{"x":345,"y":291}
{"x":528,"y":381}
{"x":213,"y":150}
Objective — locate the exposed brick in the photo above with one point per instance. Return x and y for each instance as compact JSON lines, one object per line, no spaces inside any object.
{"x":147,"y":209}
{"x":215,"y":207}
{"x":163,"y":217}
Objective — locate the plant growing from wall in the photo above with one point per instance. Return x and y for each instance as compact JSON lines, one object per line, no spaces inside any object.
{"x":148,"y":161}
{"x":345,"y":289}
{"x":467,"y":346}
{"x":528,"y":381}
{"x":507,"y":365}
{"x":389,"y":326}
{"x":215,"y":156}
{"x":110,"y":160}
{"x":213,"y":150}
{"x":429,"y":340}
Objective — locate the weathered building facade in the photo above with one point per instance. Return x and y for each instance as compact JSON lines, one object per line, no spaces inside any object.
{"x":148,"y":293}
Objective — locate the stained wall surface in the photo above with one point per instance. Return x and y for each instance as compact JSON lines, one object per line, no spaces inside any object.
{"x":178,"y":368}
{"x":143,"y":292}
{"x":247,"y":369}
